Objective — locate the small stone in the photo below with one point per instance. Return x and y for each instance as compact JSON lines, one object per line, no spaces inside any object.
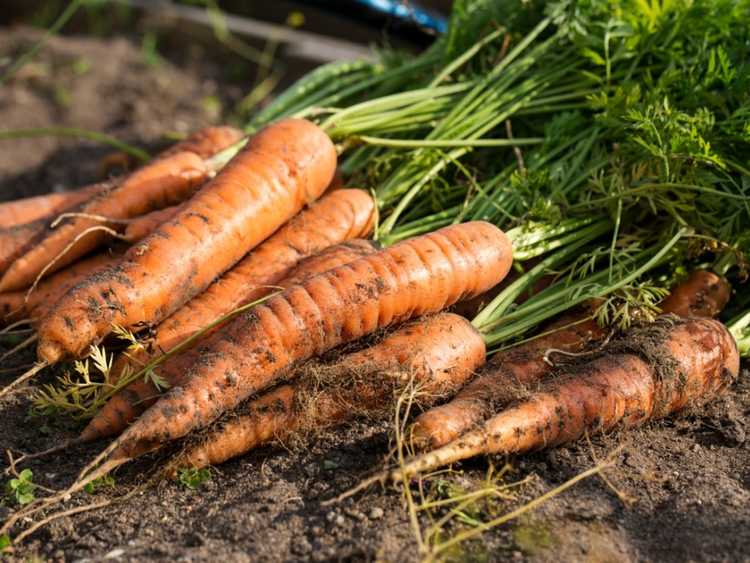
{"x":317,"y":531}
{"x":517,"y":556}
{"x":115,"y":553}
{"x":340,"y":520}
{"x":331,"y":516}
{"x":376,"y":513}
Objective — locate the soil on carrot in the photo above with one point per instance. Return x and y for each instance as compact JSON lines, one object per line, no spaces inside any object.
{"x":679,"y":489}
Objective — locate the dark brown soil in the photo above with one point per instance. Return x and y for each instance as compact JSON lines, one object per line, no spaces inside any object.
{"x":687,"y":478}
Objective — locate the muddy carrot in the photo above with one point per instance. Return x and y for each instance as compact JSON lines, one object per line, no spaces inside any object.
{"x":33,"y":305}
{"x":129,"y":403}
{"x":337,"y":217}
{"x":282,"y":168}
{"x":436,"y":355}
{"x":651,"y":373}
{"x":510,"y":371}
{"x":415,"y":277}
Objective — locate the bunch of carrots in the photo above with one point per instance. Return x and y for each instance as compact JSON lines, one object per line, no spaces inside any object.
{"x":524,"y":296}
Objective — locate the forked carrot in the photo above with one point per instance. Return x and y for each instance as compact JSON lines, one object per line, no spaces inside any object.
{"x":129,"y":403}
{"x":412,"y":278}
{"x":651,"y":373}
{"x":511,"y":371}
{"x":282,"y":168}
{"x":436,"y":355}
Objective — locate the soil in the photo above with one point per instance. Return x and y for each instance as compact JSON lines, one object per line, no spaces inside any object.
{"x":679,"y":489}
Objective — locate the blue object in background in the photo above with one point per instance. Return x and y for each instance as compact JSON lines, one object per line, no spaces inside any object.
{"x":406,"y":10}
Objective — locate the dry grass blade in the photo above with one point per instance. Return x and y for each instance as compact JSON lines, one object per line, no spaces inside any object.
{"x":25,"y":377}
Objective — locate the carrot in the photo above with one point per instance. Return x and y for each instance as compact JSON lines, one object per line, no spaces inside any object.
{"x":16,"y":240}
{"x":283,"y":167}
{"x":28,"y":210}
{"x":206,"y":142}
{"x":140,"y":227}
{"x":16,"y":304}
{"x":651,"y":373}
{"x":169,"y":179}
{"x":415,"y":277}
{"x":702,"y":294}
{"x":126,"y":405}
{"x":160,"y":184}
{"x":337,"y":217}
{"x":512,"y":370}
{"x":437,"y":354}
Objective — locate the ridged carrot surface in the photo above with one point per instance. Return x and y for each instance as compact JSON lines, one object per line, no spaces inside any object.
{"x":125,"y":406}
{"x":281,"y":169}
{"x":437,"y":354}
{"x":651,"y":373}
{"x":412,"y":278}
{"x":703,"y":294}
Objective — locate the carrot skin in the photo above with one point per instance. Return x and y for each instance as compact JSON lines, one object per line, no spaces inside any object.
{"x":140,"y":227}
{"x":616,"y":389}
{"x":30,"y":209}
{"x":206,"y":142}
{"x":125,"y":406}
{"x":15,"y":305}
{"x":165,"y":182}
{"x":282,"y":168}
{"x":412,"y":278}
{"x":702,"y":294}
{"x":438,"y":354}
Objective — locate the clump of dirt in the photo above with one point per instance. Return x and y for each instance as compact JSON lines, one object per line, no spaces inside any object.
{"x":679,"y":490}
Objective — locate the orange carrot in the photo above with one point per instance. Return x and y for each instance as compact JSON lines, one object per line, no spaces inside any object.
{"x":140,"y":227}
{"x":283,"y":167}
{"x":702,"y":294}
{"x":16,"y":304}
{"x":169,"y":179}
{"x":206,"y":142}
{"x":437,"y":354}
{"x":16,"y":240}
{"x":337,"y":217}
{"x":512,"y":370}
{"x":126,"y":405}
{"x":651,"y":373}
{"x":28,"y":210}
{"x":164,"y":182}
{"x":415,"y":277}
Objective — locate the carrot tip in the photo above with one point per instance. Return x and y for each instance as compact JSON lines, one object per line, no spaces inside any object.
{"x":49,"y":351}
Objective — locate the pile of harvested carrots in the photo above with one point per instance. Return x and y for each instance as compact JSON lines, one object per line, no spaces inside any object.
{"x":209,"y":285}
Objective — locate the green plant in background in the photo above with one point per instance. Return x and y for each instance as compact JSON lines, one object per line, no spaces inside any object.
{"x":193,"y":478}
{"x":21,"y":489}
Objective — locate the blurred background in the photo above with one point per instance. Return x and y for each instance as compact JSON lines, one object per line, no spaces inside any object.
{"x":149,"y":71}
